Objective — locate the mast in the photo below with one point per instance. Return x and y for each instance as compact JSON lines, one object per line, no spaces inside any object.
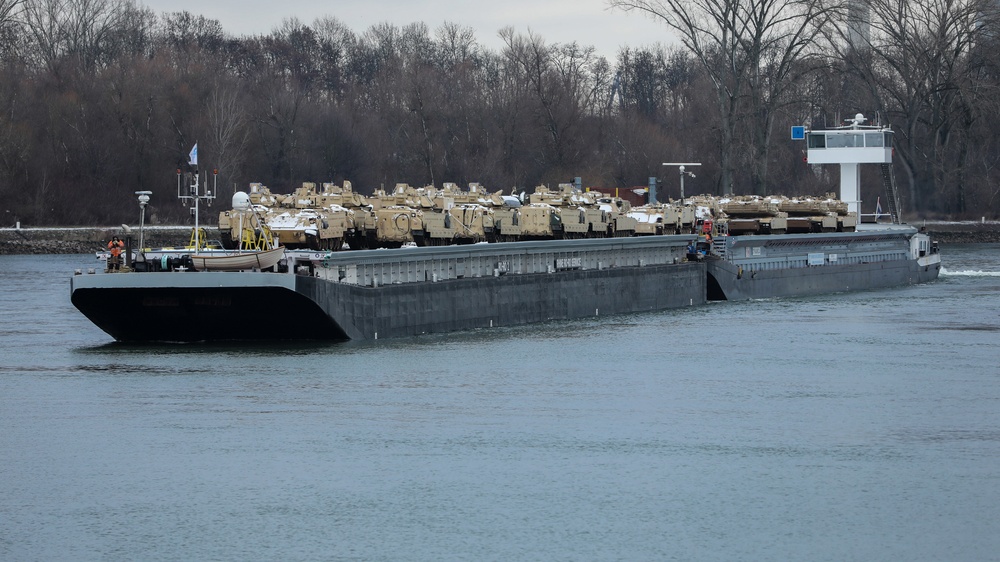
{"x":195,"y":191}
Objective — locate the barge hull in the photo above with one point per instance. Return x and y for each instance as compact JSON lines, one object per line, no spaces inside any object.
{"x":397,"y":293}
{"x":726,"y":283}
{"x":509,"y":300}
{"x":190,"y":307}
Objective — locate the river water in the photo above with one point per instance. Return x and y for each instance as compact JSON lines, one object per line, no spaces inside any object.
{"x":846,"y":427}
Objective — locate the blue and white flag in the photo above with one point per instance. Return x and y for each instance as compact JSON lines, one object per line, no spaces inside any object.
{"x":878,"y":208}
{"x":193,"y":157}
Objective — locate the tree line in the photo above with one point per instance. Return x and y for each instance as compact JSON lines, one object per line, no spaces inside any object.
{"x":102,"y":98}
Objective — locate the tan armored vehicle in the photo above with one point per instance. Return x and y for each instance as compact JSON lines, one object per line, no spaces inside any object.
{"x":453,"y":216}
{"x":460,"y":224}
{"x":582,"y":216}
{"x":620,"y":224}
{"x":396,"y":225}
{"x":811,"y":214}
{"x":317,"y":229}
{"x":507,"y":220}
{"x":360,"y":211}
{"x":658,"y":219}
{"x":346,"y":197}
{"x":260,"y":195}
{"x":698,"y":209}
{"x":243,"y":227}
{"x":578,"y":213}
{"x":752,"y":215}
{"x":239,"y":224}
{"x":296,"y":220}
{"x":540,"y":221}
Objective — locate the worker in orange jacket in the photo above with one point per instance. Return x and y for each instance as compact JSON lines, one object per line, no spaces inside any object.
{"x":115,"y":247}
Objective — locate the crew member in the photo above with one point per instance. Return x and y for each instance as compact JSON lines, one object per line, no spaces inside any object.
{"x":115,"y":261}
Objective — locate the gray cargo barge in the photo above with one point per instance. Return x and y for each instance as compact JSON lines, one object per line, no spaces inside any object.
{"x":790,"y":265}
{"x":393,"y":293}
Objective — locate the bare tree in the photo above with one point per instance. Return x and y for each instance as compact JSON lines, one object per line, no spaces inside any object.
{"x":920,"y":66}
{"x":229,"y":132}
{"x":79,"y":29}
{"x":336,"y":45}
{"x":749,"y":48}
{"x":189,"y":38}
{"x":563,"y":92}
{"x":11,"y":12}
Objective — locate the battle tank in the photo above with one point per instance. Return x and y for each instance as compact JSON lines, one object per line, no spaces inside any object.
{"x":395,"y":218}
{"x":817,"y":214}
{"x":395,"y":226}
{"x":752,"y":215}
{"x":579,"y":211}
{"x":507,"y":219}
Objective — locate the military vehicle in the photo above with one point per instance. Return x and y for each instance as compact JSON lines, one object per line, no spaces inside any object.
{"x":656,"y":219}
{"x":814,"y":214}
{"x":752,"y":215}
{"x":620,"y":224}
{"x":296,"y":220}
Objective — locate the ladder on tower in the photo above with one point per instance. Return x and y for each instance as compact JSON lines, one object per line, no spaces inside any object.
{"x":891,"y":192}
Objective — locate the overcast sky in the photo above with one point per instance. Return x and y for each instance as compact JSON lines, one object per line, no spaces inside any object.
{"x":588,"y":22}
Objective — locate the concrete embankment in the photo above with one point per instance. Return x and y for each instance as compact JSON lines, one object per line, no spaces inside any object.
{"x":85,"y":240}
{"x":962,"y":232}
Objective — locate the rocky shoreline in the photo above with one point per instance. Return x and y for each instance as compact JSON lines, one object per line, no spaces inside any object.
{"x":86,"y":240}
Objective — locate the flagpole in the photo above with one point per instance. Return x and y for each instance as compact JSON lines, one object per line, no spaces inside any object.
{"x":195,"y":192}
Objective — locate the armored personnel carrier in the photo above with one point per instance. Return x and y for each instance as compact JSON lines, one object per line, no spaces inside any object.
{"x":297,"y":220}
{"x":656,"y":219}
{"x":620,"y":224}
{"x":248,"y":216}
{"x":458,"y":217}
{"x":567,"y":213}
{"x":360,"y":211}
{"x":466,"y":223}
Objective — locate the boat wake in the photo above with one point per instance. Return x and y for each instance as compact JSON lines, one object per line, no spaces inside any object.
{"x":969,"y":273}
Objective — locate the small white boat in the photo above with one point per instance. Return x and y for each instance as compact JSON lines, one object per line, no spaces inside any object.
{"x":238,"y":260}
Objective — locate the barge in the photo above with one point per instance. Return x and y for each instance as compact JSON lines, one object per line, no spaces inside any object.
{"x":373,"y":294}
{"x":388,"y":293}
{"x":576,"y":256}
{"x":794,"y":265}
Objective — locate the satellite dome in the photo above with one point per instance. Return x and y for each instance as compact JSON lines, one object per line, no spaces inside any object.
{"x":241,"y":201}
